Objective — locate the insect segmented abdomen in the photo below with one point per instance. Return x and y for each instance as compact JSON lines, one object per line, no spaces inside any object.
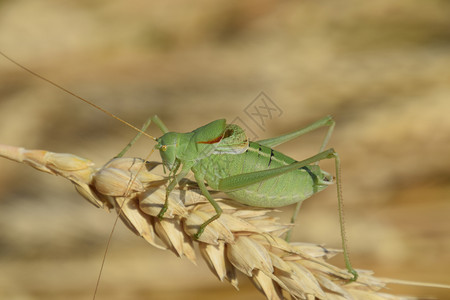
{"x":288,"y":188}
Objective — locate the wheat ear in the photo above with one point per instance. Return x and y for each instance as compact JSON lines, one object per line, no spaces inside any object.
{"x":244,"y":238}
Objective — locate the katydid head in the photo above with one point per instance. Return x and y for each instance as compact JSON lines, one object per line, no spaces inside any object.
{"x":167,"y":146}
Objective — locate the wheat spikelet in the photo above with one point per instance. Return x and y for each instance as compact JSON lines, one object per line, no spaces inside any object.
{"x":244,"y":239}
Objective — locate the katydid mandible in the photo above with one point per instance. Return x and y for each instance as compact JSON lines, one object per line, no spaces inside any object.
{"x":251,"y":173}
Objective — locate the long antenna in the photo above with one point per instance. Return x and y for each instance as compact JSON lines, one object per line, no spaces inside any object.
{"x":75,"y":95}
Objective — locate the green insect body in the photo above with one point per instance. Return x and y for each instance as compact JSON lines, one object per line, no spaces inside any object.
{"x":217,"y":151}
{"x":249,"y":172}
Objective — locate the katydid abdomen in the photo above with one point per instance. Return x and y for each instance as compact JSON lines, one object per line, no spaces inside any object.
{"x":282,"y":190}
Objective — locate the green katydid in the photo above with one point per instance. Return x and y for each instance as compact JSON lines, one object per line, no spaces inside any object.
{"x":251,"y":173}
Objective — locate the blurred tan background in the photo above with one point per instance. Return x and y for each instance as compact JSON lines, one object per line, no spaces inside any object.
{"x":381,"y":68}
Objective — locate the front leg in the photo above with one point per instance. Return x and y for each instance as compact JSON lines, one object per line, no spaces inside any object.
{"x":172,"y":183}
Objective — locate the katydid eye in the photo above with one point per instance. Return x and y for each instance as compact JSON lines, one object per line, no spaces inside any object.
{"x":163,"y":148}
